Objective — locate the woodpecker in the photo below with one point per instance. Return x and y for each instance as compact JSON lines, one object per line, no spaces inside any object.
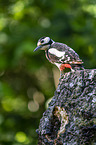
{"x":64,"y":57}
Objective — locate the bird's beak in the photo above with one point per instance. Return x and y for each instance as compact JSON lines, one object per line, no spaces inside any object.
{"x":38,"y":47}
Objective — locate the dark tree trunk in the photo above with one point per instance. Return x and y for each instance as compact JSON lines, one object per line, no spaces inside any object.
{"x":71,"y":116}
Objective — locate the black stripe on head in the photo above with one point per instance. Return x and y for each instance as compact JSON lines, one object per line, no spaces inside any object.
{"x":41,"y":38}
{"x":51,"y":41}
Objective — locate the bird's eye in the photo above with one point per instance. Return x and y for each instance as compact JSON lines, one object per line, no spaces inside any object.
{"x":42,"y":41}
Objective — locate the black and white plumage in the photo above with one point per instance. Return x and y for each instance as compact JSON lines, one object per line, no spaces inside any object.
{"x":59,"y":54}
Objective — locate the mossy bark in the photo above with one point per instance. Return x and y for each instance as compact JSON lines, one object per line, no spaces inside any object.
{"x":71,"y":116}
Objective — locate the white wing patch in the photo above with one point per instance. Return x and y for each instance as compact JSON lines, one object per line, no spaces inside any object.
{"x":57,"y":52}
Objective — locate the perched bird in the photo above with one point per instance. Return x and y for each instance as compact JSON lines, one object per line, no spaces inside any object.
{"x":64,"y":57}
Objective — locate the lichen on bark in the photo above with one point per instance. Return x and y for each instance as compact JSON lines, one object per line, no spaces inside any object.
{"x":71,"y":116}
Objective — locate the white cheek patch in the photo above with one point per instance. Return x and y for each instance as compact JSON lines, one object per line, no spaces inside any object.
{"x":56,"y":52}
{"x":46,"y":40}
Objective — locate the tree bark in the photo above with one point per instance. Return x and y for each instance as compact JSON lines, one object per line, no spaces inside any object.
{"x":71,"y":116}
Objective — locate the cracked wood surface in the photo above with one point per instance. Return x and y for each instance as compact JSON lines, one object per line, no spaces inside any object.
{"x":71,"y":116}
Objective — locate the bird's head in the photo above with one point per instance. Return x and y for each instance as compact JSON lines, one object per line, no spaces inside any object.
{"x":44,"y":43}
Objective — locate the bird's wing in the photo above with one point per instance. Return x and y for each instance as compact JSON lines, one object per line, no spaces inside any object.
{"x":51,"y":57}
{"x":61,"y":53}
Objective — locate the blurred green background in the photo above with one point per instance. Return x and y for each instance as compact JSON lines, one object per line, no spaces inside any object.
{"x":27,"y":79}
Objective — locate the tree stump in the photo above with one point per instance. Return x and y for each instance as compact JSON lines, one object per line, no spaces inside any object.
{"x":71,"y":116}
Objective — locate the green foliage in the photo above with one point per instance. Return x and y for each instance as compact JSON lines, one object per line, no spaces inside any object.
{"x":27,"y":79}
